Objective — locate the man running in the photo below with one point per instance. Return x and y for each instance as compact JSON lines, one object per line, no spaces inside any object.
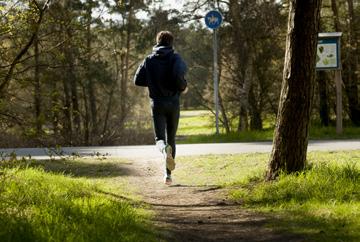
{"x":163,"y":72}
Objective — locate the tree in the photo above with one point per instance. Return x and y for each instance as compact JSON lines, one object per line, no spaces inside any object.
{"x":23,"y":51}
{"x":292,"y":126}
{"x":351,"y":78}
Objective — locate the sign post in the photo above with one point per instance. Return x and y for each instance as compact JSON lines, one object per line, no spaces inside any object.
{"x":328,"y":58}
{"x":213,"y":20}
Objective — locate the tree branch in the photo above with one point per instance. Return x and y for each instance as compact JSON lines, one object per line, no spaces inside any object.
{"x":25,"y":48}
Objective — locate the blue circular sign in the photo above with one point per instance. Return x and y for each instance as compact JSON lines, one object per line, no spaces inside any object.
{"x":213,"y":19}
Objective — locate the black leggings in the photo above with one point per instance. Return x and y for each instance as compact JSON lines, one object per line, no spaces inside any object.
{"x":165,"y":114}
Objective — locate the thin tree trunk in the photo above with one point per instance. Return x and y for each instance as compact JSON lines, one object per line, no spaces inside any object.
{"x":125,"y":72}
{"x":90,"y":80}
{"x":245,"y":90}
{"x":224,"y":120}
{"x":324,"y":111}
{"x":351,"y":79}
{"x":73,"y":84}
{"x":37,"y":88}
{"x":336,"y":15}
{"x":67,"y":107}
{"x":87,"y":118}
{"x":55,"y":107}
{"x":255,"y":113}
{"x":108,"y":109}
{"x":68,"y":126}
{"x":292,"y":127}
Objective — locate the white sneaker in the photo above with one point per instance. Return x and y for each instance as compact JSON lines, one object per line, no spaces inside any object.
{"x":167,"y":180}
{"x":170,"y":162}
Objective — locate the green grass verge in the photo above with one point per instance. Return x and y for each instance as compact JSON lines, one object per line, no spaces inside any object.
{"x":47,"y":204}
{"x":321,"y":204}
{"x":198,"y":126}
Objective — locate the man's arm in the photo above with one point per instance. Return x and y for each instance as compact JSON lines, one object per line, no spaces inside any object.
{"x":140,"y":78}
{"x":179,"y":71}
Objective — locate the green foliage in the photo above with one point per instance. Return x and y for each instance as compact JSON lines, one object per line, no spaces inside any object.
{"x":42,"y":206}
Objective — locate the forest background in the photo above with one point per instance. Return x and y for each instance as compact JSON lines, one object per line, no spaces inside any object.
{"x":67,"y":66}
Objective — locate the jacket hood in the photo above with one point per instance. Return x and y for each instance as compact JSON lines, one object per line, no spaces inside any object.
{"x":162,"y":50}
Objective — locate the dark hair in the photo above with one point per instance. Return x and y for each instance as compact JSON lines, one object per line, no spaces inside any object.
{"x":164,"y":38}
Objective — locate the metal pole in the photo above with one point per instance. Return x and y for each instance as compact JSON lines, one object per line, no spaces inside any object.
{"x":216,"y":81}
{"x":339,"y":119}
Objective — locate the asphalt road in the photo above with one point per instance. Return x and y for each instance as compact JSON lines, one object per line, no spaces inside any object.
{"x":150,"y":151}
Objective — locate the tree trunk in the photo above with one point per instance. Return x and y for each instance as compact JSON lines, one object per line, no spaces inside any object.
{"x":225,"y":120}
{"x":324,"y":112}
{"x":67,"y":129}
{"x":37,"y":88}
{"x":243,"y":119}
{"x":125,"y":71}
{"x":291,"y":132}
{"x":351,"y":78}
{"x":74,"y":98}
{"x":255,"y":112}
{"x":87,"y":117}
{"x":336,"y":15}
{"x":68,"y":123}
{"x":245,"y":90}
{"x":55,"y":107}
{"x":90,"y":80}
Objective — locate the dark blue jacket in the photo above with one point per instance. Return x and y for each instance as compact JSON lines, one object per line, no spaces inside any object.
{"x":163,"y":72}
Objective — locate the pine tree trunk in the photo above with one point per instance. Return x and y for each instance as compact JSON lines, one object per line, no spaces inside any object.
{"x":351,"y":78}
{"x":324,"y":111}
{"x":90,"y":81}
{"x":224,"y":120}
{"x":291,"y":132}
{"x":255,"y":112}
{"x":67,"y":130}
{"x":37,"y":88}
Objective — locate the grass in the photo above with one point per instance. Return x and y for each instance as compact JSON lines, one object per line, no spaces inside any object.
{"x":61,"y":201}
{"x":320,"y":204}
{"x":198,"y":126}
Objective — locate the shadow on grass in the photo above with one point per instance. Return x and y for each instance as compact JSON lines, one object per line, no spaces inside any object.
{"x":67,"y":220}
{"x":313,"y":228}
{"x":76,"y":168}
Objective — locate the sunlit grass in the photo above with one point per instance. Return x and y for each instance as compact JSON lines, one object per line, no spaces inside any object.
{"x":42,"y":204}
{"x":219,"y":170}
{"x":321,"y":203}
{"x":198,"y":126}
{"x":196,"y":122}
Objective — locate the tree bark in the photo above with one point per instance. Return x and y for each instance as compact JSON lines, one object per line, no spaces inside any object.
{"x":291,"y":132}
{"x":351,"y":78}
{"x":68,"y":123}
{"x":224,"y":120}
{"x":255,"y":112}
{"x":324,"y":110}
{"x":335,"y":11}
{"x":73,"y":83}
{"x":37,"y":88}
{"x":90,"y":81}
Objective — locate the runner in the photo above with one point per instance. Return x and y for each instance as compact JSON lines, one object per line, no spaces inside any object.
{"x":163,"y":72}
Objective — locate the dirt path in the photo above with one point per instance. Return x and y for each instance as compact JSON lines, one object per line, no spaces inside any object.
{"x":197,"y":213}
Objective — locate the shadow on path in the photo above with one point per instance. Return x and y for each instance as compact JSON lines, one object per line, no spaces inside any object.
{"x":87,"y":168}
{"x":185,"y":212}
